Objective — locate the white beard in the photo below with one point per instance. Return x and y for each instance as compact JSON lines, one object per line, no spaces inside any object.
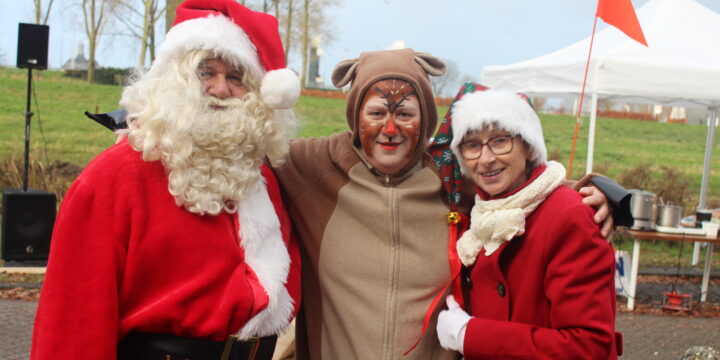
{"x":212,"y":150}
{"x":223,"y":161}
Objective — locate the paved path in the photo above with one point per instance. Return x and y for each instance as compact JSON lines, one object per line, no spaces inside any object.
{"x":665,"y":337}
{"x":645,"y":337}
{"x":16,"y":318}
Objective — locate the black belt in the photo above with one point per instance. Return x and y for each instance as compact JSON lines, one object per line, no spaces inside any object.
{"x":149,"y":346}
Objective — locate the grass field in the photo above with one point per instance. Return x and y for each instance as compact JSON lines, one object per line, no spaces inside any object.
{"x":61,"y":133}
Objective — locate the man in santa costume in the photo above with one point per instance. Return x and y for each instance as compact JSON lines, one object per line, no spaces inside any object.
{"x":174,"y":243}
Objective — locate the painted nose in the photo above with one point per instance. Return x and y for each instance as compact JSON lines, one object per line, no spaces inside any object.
{"x":390,"y":127}
{"x":218,"y":88}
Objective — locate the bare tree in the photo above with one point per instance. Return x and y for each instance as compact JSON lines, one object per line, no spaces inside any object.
{"x":141,"y":24}
{"x":288,"y":28}
{"x":304,"y":41}
{"x":451,"y":81}
{"x":39,"y":12}
{"x":95,"y":16}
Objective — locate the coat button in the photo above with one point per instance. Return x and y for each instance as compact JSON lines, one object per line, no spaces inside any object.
{"x":501,"y":289}
{"x":467,"y":281}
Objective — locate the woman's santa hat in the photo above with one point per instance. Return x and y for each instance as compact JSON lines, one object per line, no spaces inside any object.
{"x":230,"y":29}
{"x":483,"y":107}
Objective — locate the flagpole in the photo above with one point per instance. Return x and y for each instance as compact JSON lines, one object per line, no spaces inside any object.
{"x":582,"y":95}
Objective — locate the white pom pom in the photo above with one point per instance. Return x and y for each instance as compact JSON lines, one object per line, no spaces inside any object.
{"x":280,"y":88}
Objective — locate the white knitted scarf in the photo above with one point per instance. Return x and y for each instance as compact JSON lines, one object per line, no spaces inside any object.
{"x":493,"y":222}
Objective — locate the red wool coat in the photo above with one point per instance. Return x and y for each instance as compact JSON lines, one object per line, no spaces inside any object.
{"x":124,"y":257}
{"x":548,"y":294}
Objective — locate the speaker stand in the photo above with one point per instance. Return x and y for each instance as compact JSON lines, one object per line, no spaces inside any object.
{"x":28,"y":116}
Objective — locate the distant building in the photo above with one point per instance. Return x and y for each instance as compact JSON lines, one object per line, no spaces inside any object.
{"x":79,"y":62}
{"x":314,"y":80}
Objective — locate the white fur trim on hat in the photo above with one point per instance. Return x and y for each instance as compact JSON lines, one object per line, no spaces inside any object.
{"x":267,"y":256}
{"x":506,"y":110}
{"x":214,"y":33}
{"x":280,"y":88}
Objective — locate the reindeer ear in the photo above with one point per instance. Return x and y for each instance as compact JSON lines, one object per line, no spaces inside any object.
{"x":344,"y":72}
{"x":432,"y":65}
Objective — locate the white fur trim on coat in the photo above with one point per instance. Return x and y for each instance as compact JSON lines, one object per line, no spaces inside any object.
{"x":506,"y":109}
{"x":213,"y":33}
{"x":268,"y":257}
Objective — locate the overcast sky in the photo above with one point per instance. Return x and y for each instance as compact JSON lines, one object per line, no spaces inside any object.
{"x":473,"y":33}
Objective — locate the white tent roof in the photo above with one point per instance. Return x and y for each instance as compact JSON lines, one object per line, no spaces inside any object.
{"x":680,"y":67}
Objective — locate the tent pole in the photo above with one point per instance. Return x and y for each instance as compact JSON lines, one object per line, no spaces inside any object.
{"x":712,"y":122}
{"x":712,"y":119}
{"x":591,"y":133}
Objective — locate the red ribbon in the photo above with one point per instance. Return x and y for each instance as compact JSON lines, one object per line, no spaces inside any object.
{"x":455,"y":266}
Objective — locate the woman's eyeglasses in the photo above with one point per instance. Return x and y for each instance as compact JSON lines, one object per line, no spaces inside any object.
{"x":500,"y":145}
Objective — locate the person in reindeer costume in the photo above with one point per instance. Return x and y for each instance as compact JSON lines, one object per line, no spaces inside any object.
{"x":174,"y":242}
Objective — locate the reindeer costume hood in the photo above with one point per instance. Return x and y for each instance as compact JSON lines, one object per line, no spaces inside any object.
{"x":403,"y":64}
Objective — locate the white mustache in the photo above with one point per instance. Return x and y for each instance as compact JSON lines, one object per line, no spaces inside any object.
{"x":214,"y":103}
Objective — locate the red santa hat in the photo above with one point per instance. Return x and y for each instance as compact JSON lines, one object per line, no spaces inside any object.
{"x":232,"y":30}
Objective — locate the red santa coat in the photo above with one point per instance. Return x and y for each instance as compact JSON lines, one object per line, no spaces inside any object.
{"x":548,"y":294}
{"x":124,"y":257}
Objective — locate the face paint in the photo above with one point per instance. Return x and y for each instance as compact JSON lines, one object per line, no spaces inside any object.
{"x":389,"y":125}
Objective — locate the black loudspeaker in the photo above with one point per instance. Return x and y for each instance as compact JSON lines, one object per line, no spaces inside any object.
{"x":27,"y":224}
{"x":32,"y":49}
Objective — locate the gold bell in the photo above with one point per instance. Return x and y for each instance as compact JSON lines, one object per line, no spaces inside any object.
{"x":453,"y":217}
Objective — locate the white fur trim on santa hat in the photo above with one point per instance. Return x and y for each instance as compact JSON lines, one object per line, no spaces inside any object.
{"x":506,"y":110}
{"x":280,"y":88}
{"x":267,"y":256}
{"x":213,"y":33}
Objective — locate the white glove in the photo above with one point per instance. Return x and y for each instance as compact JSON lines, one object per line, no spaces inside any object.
{"x":451,"y":325}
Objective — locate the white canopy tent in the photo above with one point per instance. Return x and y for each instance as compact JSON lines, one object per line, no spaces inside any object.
{"x":681,"y":67}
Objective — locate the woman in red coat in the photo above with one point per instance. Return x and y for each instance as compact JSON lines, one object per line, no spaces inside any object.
{"x":540,"y":276}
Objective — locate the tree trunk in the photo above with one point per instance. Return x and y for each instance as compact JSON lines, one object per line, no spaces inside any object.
{"x":38,"y":11}
{"x":288,"y":32}
{"x":47,"y":13}
{"x":91,"y":30}
{"x":170,"y":13}
{"x":305,"y":41}
{"x":152,"y":44}
{"x":147,"y":27}
{"x":276,"y":3}
{"x":94,"y":19}
{"x":91,"y":60}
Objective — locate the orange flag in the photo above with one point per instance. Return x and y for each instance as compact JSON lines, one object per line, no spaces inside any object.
{"x":621,"y":14}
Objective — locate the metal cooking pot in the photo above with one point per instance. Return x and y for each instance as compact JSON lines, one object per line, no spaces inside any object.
{"x":669,"y":215}
{"x":643,"y":205}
